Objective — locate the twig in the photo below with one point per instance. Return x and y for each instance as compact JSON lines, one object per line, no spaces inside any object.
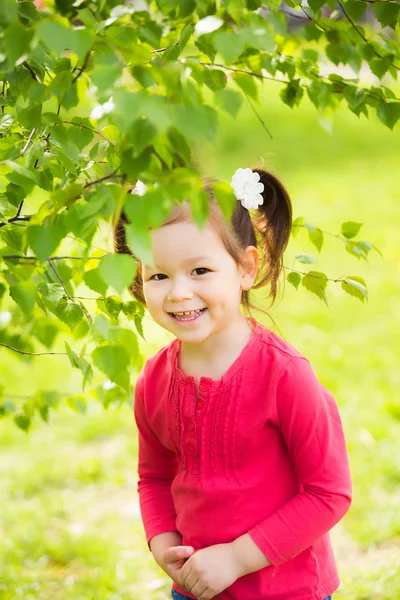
{"x":24,"y":149}
{"x":314,"y":276}
{"x":93,"y":130}
{"x":14,"y":219}
{"x":19,"y":208}
{"x":85,"y":63}
{"x":33,"y":353}
{"x":101,"y":179}
{"x":31,"y":71}
{"x":258,"y":116}
{"x":34,"y":258}
{"x":3,"y":93}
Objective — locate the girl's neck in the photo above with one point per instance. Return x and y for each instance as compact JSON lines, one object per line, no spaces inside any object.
{"x":213,"y":357}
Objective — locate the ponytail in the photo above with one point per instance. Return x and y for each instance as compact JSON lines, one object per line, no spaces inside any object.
{"x":268,"y":228}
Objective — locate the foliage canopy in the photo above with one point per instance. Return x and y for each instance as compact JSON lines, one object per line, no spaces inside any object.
{"x":96,"y":95}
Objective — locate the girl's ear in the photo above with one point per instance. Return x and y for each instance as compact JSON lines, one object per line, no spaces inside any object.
{"x":249,"y":261}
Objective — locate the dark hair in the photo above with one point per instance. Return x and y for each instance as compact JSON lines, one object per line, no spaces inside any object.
{"x":267,"y":228}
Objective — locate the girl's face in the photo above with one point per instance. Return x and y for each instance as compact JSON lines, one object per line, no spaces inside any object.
{"x":193,"y":274}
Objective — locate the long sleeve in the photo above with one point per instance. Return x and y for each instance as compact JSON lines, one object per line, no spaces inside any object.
{"x":156,"y":470}
{"x":310,"y":424}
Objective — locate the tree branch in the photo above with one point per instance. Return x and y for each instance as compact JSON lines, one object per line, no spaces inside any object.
{"x":83,"y":67}
{"x":34,"y":258}
{"x":24,"y":149}
{"x":33,"y":353}
{"x":92,"y":130}
{"x":16,"y":218}
{"x":314,"y":276}
{"x":258,"y":116}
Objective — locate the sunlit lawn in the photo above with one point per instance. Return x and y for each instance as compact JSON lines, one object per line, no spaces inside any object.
{"x":70,"y":524}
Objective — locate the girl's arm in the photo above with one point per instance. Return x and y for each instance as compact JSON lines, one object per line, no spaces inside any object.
{"x":310,"y":424}
{"x":159,"y":543}
{"x":156,"y":470}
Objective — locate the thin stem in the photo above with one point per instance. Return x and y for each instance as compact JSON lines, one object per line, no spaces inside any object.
{"x":24,"y":149}
{"x":34,"y":258}
{"x":31,"y":71}
{"x":101,"y":179}
{"x":33,"y":353}
{"x":93,"y":130}
{"x":258,"y":116}
{"x":14,"y":219}
{"x":85,"y":64}
{"x":314,"y":276}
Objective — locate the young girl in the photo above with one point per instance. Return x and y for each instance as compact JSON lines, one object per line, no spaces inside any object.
{"x":242,"y":459}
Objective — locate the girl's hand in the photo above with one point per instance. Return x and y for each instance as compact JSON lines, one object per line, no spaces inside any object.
{"x":173,"y":559}
{"x":210,"y":571}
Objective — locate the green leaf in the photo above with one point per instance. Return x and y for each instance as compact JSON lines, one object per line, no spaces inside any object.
{"x":316,"y":5}
{"x":80,"y":363}
{"x":198,"y":122}
{"x":50,"y":398}
{"x":22,"y":422}
{"x":52,"y":291}
{"x":44,"y":239}
{"x":186,"y":33}
{"x":17,"y":40}
{"x":118,"y":270}
{"x":230,"y":45}
{"x":320,"y":93}
{"x":6,"y":122}
{"x":294,"y":278}
{"x":24,"y":294}
{"x":135,"y":311}
{"x":292,"y":93}
{"x":60,"y":38}
{"x":355,"y":8}
{"x":389,"y":113}
{"x":306,"y":259}
{"x":315,"y":235}
{"x":350,"y":229}
{"x":297,"y":225}
{"x":247,"y":84}
{"x":113,"y":361}
{"x":215,"y":79}
{"x":355,"y":286}
{"x":316,"y":282}
{"x":225,"y":197}
{"x":95,"y":282}
{"x":229,"y":100}
{"x":68,"y":313}
{"x":387,"y":13}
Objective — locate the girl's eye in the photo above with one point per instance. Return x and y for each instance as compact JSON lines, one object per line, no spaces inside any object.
{"x":157,"y":277}
{"x":202,"y":269}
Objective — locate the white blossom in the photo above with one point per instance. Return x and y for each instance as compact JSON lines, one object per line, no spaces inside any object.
{"x":207,"y":25}
{"x":247,"y":188}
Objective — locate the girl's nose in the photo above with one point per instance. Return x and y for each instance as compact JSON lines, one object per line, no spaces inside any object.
{"x":179,"y":290}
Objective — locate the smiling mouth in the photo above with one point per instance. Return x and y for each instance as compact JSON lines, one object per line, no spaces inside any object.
{"x":187,"y":315}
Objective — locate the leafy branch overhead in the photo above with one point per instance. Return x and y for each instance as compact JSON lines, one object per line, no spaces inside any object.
{"x":96,"y":95}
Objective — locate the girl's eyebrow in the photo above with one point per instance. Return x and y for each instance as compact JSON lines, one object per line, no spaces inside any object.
{"x":187,"y":261}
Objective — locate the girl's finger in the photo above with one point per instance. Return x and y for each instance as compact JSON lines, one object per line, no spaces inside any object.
{"x":177,"y":553}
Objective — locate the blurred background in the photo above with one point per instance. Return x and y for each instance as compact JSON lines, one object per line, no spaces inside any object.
{"x":70,"y":522}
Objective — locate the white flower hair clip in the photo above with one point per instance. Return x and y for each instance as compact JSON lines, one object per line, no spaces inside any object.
{"x":247,"y":188}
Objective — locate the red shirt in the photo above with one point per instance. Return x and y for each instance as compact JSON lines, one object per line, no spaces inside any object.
{"x":260,"y":451}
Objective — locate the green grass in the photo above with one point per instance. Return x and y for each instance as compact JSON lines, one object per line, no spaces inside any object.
{"x":70,"y":524}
